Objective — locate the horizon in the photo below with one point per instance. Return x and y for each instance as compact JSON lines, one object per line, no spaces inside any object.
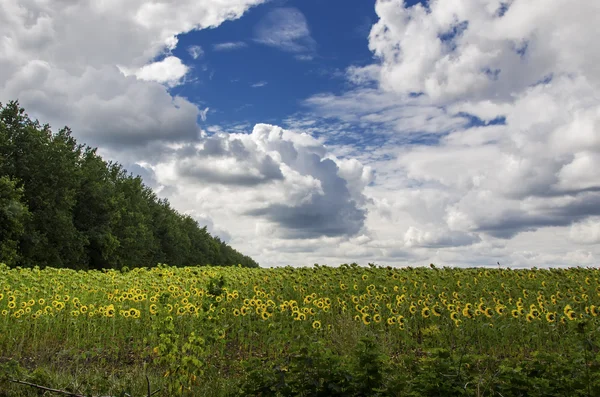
{"x":396,"y":133}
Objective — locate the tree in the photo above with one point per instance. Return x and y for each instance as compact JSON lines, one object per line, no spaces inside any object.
{"x":13,"y":215}
{"x":62,"y":205}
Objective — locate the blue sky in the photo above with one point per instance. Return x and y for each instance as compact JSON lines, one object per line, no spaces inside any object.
{"x":223,"y":80}
{"x":327,"y":131}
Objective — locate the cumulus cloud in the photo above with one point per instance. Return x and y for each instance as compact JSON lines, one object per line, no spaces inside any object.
{"x":169,"y":71}
{"x":481,"y":120}
{"x":284,"y":180}
{"x":482,"y":49}
{"x":287,"y":30}
{"x":490,"y":121}
{"x":60,"y":60}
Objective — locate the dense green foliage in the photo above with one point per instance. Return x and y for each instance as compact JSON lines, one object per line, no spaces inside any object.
{"x":62,"y":205}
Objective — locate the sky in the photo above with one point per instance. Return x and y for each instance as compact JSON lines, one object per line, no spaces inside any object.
{"x":454,"y":132}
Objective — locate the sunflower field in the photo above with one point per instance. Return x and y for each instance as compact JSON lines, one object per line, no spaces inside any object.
{"x":314,"y":331}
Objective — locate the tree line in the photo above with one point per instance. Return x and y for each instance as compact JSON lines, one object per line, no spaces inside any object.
{"x":62,"y":205}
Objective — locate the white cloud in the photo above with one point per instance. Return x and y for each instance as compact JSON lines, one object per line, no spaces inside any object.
{"x":466,"y":49}
{"x":287,"y":30}
{"x":304,"y":57}
{"x":586,"y":232}
{"x":60,"y":60}
{"x":272,"y":184}
{"x":229,"y":46}
{"x":195,"y":51}
{"x":437,"y":238}
{"x":259,"y":84}
{"x":399,"y":175}
{"x":523,"y":191}
{"x":204,"y":113}
{"x":398,"y":113}
{"x":169,"y":71}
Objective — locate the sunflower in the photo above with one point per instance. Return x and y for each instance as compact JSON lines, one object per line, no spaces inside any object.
{"x":571,"y":315}
{"x":567,"y":309}
{"x":316,"y":324}
{"x":515,"y":313}
{"x":391,"y":321}
{"x":551,"y":317}
{"x":529,"y":317}
{"x":377,"y":317}
{"x":366,"y":318}
{"x":425,"y":312}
